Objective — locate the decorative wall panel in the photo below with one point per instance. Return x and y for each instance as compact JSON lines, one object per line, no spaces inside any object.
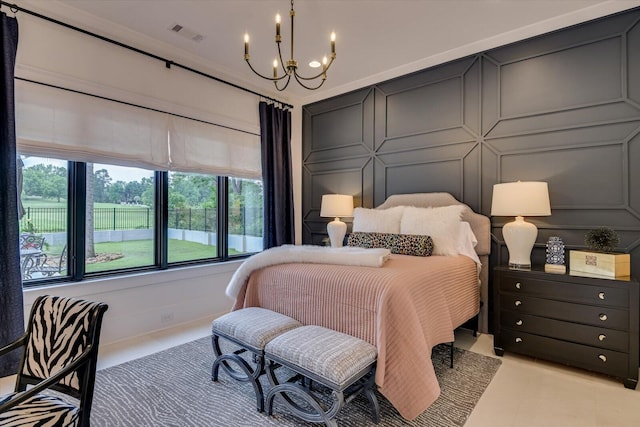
{"x":562,"y":108}
{"x":556,"y":80}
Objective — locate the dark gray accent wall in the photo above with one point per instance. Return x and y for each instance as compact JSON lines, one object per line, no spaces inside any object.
{"x":562,"y":108}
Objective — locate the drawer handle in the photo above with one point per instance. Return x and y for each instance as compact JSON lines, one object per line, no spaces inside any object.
{"x":518,"y":286}
{"x":603,"y":358}
{"x":518,"y":303}
{"x":602,"y":337}
{"x":601,"y":295}
{"x":518,"y":339}
{"x":603,"y":317}
{"x":519,"y":323}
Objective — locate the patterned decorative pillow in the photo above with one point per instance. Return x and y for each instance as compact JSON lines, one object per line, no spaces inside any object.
{"x":402,"y":244}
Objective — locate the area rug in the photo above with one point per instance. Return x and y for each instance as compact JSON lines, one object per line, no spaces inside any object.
{"x":174,"y":388}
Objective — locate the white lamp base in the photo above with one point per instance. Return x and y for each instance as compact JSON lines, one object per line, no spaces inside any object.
{"x":337,"y":230}
{"x":519,"y":236}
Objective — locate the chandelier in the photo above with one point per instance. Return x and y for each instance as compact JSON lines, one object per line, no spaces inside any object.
{"x":290,"y":67}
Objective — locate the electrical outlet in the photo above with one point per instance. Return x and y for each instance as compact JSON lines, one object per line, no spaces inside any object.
{"x":166,"y":317}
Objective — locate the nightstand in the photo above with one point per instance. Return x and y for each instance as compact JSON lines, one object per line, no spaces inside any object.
{"x":585,"y":322}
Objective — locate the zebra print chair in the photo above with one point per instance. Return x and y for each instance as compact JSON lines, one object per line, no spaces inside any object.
{"x":60,"y":351}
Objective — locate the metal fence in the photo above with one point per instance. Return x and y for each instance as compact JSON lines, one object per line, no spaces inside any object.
{"x":244,"y":221}
{"x":122,"y":218}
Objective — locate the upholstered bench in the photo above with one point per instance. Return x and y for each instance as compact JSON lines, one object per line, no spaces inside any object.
{"x":250,"y":329}
{"x":342,"y":363}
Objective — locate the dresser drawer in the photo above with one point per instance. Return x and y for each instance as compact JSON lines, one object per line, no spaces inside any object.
{"x":589,"y":335}
{"x":610,"y":318}
{"x":571,"y":292}
{"x":595,"y":359}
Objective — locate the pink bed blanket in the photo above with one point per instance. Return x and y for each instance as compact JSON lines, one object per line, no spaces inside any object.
{"x":404,"y":308}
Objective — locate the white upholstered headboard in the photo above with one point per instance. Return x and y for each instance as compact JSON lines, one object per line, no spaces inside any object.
{"x":480,"y":224}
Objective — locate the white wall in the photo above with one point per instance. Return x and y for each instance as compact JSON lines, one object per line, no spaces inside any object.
{"x":145,"y":302}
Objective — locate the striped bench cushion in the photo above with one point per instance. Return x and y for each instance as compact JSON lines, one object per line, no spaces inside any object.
{"x":328,"y":354}
{"x":253,"y":326}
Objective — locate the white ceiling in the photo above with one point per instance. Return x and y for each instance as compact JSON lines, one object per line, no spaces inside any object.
{"x":376,"y":39}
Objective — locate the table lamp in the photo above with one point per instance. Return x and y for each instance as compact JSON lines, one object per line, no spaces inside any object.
{"x":336,"y":205}
{"x":520,"y":199}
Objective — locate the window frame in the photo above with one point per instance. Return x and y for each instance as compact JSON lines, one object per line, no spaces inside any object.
{"x":76,"y":229}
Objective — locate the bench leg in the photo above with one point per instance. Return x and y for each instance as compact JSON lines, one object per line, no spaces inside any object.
{"x":245,"y":374}
{"x":369,"y":388}
{"x":315,"y":410}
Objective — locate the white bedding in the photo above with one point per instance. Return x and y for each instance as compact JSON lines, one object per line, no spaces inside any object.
{"x":348,"y":255}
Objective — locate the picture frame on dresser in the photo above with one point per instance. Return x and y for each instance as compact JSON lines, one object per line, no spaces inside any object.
{"x":584,"y":322}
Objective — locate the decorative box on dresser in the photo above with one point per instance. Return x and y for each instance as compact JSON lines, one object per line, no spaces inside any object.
{"x":585,"y":322}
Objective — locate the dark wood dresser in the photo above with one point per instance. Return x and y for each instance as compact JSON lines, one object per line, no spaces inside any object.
{"x":579,"y":321}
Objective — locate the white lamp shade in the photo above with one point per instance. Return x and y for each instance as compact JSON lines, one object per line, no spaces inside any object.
{"x":522,"y":198}
{"x":336,"y":205}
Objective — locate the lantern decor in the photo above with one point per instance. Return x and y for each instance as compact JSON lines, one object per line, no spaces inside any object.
{"x":555,"y":256}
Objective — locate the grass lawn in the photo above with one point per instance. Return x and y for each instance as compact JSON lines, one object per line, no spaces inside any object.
{"x":43,"y":203}
{"x":139,"y":253}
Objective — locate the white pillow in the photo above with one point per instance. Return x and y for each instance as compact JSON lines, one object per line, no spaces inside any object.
{"x":377,"y":220}
{"x":441,"y":223}
{"x":467,"y":242}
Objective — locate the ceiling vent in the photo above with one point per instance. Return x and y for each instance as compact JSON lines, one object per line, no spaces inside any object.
{"x":186,"y":33}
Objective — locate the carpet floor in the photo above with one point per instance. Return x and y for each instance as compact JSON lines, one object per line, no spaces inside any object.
{"x":174,"y":388}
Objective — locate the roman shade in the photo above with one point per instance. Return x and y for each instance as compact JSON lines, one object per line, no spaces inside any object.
{"x":204,"y":148}
{"x":57,"y":123}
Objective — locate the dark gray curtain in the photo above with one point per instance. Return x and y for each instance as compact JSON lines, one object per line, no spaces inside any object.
{"x":275,"y":135}
{"x":11,"y":308}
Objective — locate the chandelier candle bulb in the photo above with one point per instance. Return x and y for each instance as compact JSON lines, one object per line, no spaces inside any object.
{"x":290,"y":67}
{"x":275,"y":68}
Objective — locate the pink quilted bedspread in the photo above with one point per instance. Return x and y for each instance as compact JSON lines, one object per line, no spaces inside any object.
{"x":403,"y":308}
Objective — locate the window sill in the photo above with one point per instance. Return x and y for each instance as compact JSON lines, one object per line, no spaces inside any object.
{"x":111,"y":284}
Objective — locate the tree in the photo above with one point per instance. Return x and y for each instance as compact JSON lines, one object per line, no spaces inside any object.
{"x":55,"y":187}
{"x":116,"y":192}
{"x":101,"y":183}
{"x":148,"y":196}
{"x":46,"y":181}
{"x":133,"y":189}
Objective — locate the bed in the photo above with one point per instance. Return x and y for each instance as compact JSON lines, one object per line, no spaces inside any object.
{"x":404,"y":308}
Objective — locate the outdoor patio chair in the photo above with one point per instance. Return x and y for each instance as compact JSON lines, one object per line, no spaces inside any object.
{"x":31,"y":241}
{"x":60,"y":351}
{"x":48,"y":265}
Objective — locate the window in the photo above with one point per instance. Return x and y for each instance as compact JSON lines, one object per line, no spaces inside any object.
{"x":245,"y":216}
{"x":192,"y":217}
{"x":131,"y":219}
{"x":117,"y":208}
{"x":44,"y":217}
{"x":119,"y":218}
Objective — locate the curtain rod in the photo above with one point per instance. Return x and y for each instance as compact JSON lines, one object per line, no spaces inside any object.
{"x":168,"y":63}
